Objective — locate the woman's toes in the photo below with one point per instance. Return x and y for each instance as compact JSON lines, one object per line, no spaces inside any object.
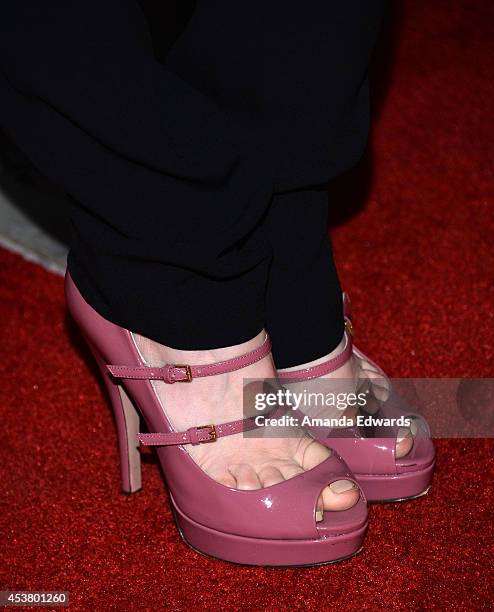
{"x":290,"y":470}
{"x":404,"y":442}
{"x":225,"y":479}
{"x":246,"y":477}
{"x":270,"y":476}
{"x":340,"y":495}
{"x":319,"y":509}
{"x":314,"y":453}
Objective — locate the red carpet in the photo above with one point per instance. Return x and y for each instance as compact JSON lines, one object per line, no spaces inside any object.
{"x":417,"y":259}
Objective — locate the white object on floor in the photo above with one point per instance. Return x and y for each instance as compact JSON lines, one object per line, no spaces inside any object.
{"x":34,"y":223}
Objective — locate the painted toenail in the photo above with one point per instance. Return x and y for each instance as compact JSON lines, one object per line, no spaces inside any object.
{"x":340,"y":486}
{"x":403,"y":432}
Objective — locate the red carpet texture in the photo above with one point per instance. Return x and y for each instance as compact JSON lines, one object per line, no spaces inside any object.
{"x":413,"y":240}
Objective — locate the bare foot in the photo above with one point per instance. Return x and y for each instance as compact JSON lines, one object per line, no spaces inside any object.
{"x":349,"y":378}
{"x":236,"y":461}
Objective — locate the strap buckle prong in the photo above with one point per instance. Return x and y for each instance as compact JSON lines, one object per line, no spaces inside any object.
{"x":212,"y":435}
{"x":188,"y":372}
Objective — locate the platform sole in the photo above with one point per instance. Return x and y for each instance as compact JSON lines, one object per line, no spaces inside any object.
{"x":400,"y":487}
{"x":263,"y":552}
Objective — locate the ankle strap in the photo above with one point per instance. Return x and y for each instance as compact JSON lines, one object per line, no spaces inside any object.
{"x":330,"y":365}
{"x":171,"y":373}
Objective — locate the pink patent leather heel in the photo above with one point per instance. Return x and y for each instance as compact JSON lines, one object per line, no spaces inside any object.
{"x":127,"y":423}
{"x":382,"y":476}
{"x":271,"y":526}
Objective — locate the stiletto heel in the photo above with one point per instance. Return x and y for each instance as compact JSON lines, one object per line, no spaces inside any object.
{"x":127,"y":424}
{"x":276,"y":525}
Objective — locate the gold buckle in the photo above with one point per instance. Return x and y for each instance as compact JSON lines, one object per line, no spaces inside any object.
{"x":349,"y":326}
{"x":213,"y":436}
{"x":187,"y":369}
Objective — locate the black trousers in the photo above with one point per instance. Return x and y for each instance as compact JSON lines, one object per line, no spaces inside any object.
{"x":197,"y":179}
